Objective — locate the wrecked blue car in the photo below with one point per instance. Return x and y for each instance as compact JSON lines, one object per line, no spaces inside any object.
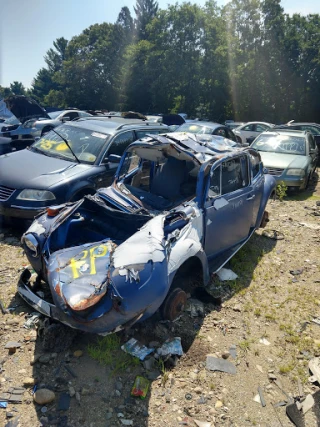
{"x":179,"y":203}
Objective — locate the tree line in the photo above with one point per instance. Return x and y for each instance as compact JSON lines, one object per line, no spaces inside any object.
{"x":247,"y":60}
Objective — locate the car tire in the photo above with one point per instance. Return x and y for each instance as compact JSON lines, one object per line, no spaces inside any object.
{"x":46,"y":130}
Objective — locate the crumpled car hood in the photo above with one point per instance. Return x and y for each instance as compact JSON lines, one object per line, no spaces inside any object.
{"x":39,"y":171}
{"x":22,"y":107}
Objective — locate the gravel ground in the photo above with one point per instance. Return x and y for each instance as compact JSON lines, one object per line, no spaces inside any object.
{"x":266,"y":315}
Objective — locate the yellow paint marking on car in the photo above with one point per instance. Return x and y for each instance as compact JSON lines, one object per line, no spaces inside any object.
{"x":85,"y":257}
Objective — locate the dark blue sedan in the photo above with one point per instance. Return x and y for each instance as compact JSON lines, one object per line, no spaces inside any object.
{"x":72,"y":160}
{"x":179,"y":202}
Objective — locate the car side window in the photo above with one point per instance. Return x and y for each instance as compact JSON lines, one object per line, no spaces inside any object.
{"x":143,"y":133}
{"x":248,"y":128}
{"x":230,"y":135}
{"x":312,"y":129}
{"x":120,"y":143}
{"x":234,"y":175}
{"x":261,"y":128}
{"x":72,"y":115}
{"x":312,"y":144}
{"x":221,"y":132}
{"x":215,"y":182}
{"x":255,"y":163}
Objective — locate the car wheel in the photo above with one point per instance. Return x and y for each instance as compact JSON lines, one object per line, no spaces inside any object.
{"x":174,"y":304}
{"x":46,"y":130}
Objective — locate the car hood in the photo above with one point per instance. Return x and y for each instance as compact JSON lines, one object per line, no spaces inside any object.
{"x":39,"y":171}
{"x":22,"y":107}
{"x":283,"y":161}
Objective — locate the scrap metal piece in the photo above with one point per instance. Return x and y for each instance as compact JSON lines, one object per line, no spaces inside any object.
{"x":222,"y":365}
{"x":263,"y":402}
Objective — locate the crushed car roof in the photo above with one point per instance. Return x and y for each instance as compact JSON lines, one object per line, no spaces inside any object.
{"x":202,"y":147}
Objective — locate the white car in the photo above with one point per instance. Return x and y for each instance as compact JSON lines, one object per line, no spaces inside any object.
{"x":250,"y":130}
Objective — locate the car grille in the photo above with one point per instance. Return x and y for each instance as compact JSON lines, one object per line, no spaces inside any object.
{"x":275,"y":172}
{"x":5,"y":193}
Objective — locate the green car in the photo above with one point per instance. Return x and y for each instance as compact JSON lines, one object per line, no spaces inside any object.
{"x":289,"y":155}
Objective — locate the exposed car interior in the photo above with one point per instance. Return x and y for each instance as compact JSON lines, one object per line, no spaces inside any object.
{"x":171,"y":181}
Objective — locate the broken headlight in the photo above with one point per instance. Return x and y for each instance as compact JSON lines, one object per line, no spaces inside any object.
{"x":37,"y":195}
{"x":31,"y":242}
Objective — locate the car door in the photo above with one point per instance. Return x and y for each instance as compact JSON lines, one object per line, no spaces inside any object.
{"x":247,"y":132}
{"x":315,"y":130}
{"x":228,"y":205}
{"x":313,"y":152}
{"x":117,"y":146}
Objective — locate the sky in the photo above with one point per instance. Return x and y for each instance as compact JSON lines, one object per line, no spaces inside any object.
{"x":28,"y":28}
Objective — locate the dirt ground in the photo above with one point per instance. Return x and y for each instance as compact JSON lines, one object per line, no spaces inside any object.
{"x":266,"y":315}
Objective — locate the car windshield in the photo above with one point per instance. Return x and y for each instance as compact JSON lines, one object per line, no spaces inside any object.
{"x":55,"y":114}
{"x":86,"y":144}
{"x":194,"y":128}
{"x":288,"y":144}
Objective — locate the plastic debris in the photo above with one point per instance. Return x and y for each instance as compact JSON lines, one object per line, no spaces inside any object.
{"x":257,"y":398}
{"x":32,"y":320}
{"x":202,"y":423}
{"x":3,"y":404}
{"x":136,"y":349}
{"x":264,"y":341}
{"x":225,"y":274}
{"x":140,"y":387}
{"x":170,"y":347}
{"x":314,"y":366}
{"x":307,"y":404}
{"x":233,"y":351}
{"x":126,"y":422}
{"x":222,"y":365}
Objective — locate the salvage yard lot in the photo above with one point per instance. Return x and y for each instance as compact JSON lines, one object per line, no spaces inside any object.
{"x":266,"y":313}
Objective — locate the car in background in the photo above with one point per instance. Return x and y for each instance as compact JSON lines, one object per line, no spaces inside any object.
{"x":66,"y":163}
{"x":181,"y":205}
{"x":20,"y":114}
{"x":234,"y":125}
{"x":313,"y":128}
{"x":58,"y":117}
{"x":289,"y":155}
{"x":208,"y":128}
{"x":250,"y":130}
{"x":29,"y":121}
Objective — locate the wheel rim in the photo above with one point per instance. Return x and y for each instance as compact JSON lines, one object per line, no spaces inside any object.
{"x":174,"y":304}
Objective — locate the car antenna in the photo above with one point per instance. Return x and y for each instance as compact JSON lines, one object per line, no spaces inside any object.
{"x":67,"y":144}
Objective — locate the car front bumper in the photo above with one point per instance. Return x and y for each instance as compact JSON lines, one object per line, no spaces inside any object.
{"x":21,"y":212}
{"x":110,"y":322}
{"x":292,"y":181}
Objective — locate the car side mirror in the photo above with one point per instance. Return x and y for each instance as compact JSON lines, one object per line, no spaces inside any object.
{"x":113,"y":158}
{"x":65,"y":119}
